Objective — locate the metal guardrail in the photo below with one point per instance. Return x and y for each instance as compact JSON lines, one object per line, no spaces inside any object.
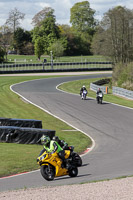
{"x":95,"y":87}
{"x":123,"y":92}
{"x":115,"y":90}
{"x":47,"y":67}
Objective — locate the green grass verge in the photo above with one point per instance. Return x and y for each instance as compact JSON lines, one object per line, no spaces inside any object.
{"x":16,"y":158}
{"x":74,"y":87}
{"x":33,"y":59}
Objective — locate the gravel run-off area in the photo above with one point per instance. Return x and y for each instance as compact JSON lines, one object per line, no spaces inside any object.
{"x":118,"y":189}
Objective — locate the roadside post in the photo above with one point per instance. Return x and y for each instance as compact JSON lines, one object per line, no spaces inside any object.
{"x":51,"y":53}
{"x":44,"y":61}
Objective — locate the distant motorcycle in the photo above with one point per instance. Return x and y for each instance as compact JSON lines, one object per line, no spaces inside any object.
{"x":100,"y":98}
{"x":84,"y":94}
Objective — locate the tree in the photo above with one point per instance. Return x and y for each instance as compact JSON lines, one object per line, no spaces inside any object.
{"x":101,"y":43}
{"x":21,"y":38}
{"x":76,"y":43}
{"x":14,"y":19}
{"x":83,"y":26}
{"x":57,"y":48}
{"x":46,"y":30}
{"x":40,"y":16}
{"x":28,"y":49}
{"x":116,"y":39}
{"x":2,"y":53}
{"x":82,"y":17}
{"x":5,"y":38}
{"x":39,"y":47}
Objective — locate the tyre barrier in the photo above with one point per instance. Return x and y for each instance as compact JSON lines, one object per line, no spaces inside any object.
{"x":32,"y":123}
{"x":102,"y":81}
{"x":23,"y":135}
{"x":98,"y":84}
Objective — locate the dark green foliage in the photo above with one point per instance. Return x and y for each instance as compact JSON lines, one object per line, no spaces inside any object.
{"x":83,"y":28}
{"x":45,"y":31}
{"x":2,"y":53}
{"x":82,"y":17}
{"x":21,"y":38}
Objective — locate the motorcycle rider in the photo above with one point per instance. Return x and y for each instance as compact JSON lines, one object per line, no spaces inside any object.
{"x":98,"y":92}
{"x":65,"y":146}
{"x":62,"y":143}
{"x":52,"y":146}
{"x":82,"y":89}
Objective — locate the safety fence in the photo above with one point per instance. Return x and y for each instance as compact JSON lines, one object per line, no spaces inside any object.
{"x":95,"y":87}
{"x":115,"y":90}
{"x":123,"y":92}
{"x":50,"y":67}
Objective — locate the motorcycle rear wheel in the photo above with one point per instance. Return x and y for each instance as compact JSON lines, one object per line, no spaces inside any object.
{"x":77,"y":159}
{"x":73,"y":172}
{"x":47,"y":173}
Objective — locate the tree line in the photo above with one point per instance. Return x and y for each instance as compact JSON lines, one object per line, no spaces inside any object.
{"x":47,"y":35}
{"x":112,"y":36}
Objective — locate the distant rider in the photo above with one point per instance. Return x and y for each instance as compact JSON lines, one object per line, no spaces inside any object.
{"x":98,"y":92}
{"x":82,"y":89}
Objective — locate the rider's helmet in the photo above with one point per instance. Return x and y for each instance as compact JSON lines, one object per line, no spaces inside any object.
{"x":45,"y":139}
{"x":83,"y":86}
{"x":56,"y":138}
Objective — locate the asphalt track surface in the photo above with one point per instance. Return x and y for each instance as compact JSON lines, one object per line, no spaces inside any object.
{"x":110,"y":126}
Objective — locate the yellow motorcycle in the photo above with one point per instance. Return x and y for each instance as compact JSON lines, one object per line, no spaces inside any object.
{"x":51,"y":165}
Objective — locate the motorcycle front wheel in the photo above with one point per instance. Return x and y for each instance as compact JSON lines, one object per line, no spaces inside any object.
{"x":47,"y":172}
{"x":73,"y":172}
{"x":101,"y":101}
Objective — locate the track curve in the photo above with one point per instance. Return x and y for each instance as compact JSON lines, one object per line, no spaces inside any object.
{"x":109,"y":125}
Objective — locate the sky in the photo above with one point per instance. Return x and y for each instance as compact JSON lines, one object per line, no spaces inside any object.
{"x":61,"y":7}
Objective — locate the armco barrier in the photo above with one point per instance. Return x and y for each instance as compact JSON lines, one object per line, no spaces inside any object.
{"x":98,"y":84}
{"x":32,"y":123}
{"x":95,"y":87}
{"x":123,"y":92}
{"x":21,"y":135}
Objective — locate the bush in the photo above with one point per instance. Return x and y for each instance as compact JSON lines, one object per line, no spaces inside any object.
{"x":123,"y":76}
{"x":2,"y":53}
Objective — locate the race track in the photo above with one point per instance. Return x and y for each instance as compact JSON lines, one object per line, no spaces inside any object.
{"x":110,"y":126}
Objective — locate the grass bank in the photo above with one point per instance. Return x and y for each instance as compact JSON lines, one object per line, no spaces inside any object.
{"x":33,"y":59}
{"x":16,"y":158}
